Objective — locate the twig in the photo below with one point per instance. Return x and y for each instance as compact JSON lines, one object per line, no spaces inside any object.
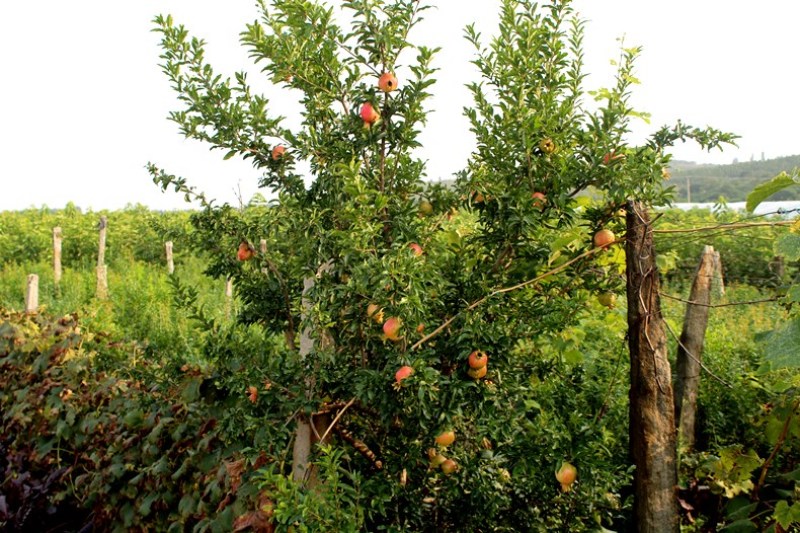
{"x":336,"y":419}
{"x":778,"y":444}
{"x":497,"y":292}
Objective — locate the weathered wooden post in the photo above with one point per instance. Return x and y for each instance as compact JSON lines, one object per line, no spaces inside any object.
{"x":652,"y":415}
{"x":32,"y":294}
{"x":719,"y":280}
{"x":690,"y":349}
{"x":170,"y":262}
{"x":228,"y":298}
{"x":102,"y":271}
{"x":57,"y":256}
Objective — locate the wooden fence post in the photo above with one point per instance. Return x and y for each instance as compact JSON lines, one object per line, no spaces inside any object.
{"x":102,"y":271}
{"x":688,"y":364}
{"x":652,"y":414}
{"x":719,"y":280}
{"x":32,"y":294}
{"x":56,"y":256}
{"x":170,"y":262}
{"x":228,"y":298}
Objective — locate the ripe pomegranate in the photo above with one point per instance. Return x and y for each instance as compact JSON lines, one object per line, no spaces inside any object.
{"x":416,"y":248}
{"x":446,"y":438}
{"x":278,"y":152}
{"x":387,"y":82}
{"x":252,"y":394}
{"x":477,"y":359}
{"x":391,"y":328}
{"x":539,"y":199}
{"x":403,"y":373}
{"x":245,"y":251}
{"x":566,"y":475}
{"x":603,"y":238}
{"x":449,"y":466}
{"x":368,"y":114}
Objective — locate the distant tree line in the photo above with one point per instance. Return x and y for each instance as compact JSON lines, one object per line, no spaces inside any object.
{"x":733,"y":182}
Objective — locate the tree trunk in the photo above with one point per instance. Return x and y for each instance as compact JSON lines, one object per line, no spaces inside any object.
{"x":690,"y":349}
{"x":302,"y":470}
{"x":301,"y":454}
{"x":652,"y":415}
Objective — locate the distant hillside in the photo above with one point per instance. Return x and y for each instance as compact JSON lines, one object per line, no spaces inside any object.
{"x":734,"y":182}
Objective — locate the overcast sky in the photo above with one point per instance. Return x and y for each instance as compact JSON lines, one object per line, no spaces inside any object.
{"x":84,"y":103}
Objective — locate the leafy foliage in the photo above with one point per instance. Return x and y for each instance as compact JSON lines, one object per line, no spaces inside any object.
{"x":765,"y":190}
{"x":147,"y":445}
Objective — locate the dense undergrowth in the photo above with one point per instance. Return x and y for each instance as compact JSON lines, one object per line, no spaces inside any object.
{"x":152,"y":410}
{"x":95,"y":432}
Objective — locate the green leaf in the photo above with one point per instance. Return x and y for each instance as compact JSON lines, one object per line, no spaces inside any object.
{"x":788,"y":246}
{"x":785,"y":514}
{"x":191,"y":390}
{"x":732,"y":471}
{"x":128,"y":514}
{"x":783,"y":346}
{"x":134,"y":418}
{"x":147,"y":504}
{"x":187,"y":505}
{"x":794,"y":475}
{"x":739,"y":508}
{"x":765,"y":190}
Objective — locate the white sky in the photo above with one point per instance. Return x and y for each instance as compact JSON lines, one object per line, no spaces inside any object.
{"x":84,"y":103}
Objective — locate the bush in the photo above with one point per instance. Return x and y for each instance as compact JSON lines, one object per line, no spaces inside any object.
{"x":87,"y":437}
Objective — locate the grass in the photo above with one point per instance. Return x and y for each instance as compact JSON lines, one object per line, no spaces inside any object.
{"x":139,"y":307}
